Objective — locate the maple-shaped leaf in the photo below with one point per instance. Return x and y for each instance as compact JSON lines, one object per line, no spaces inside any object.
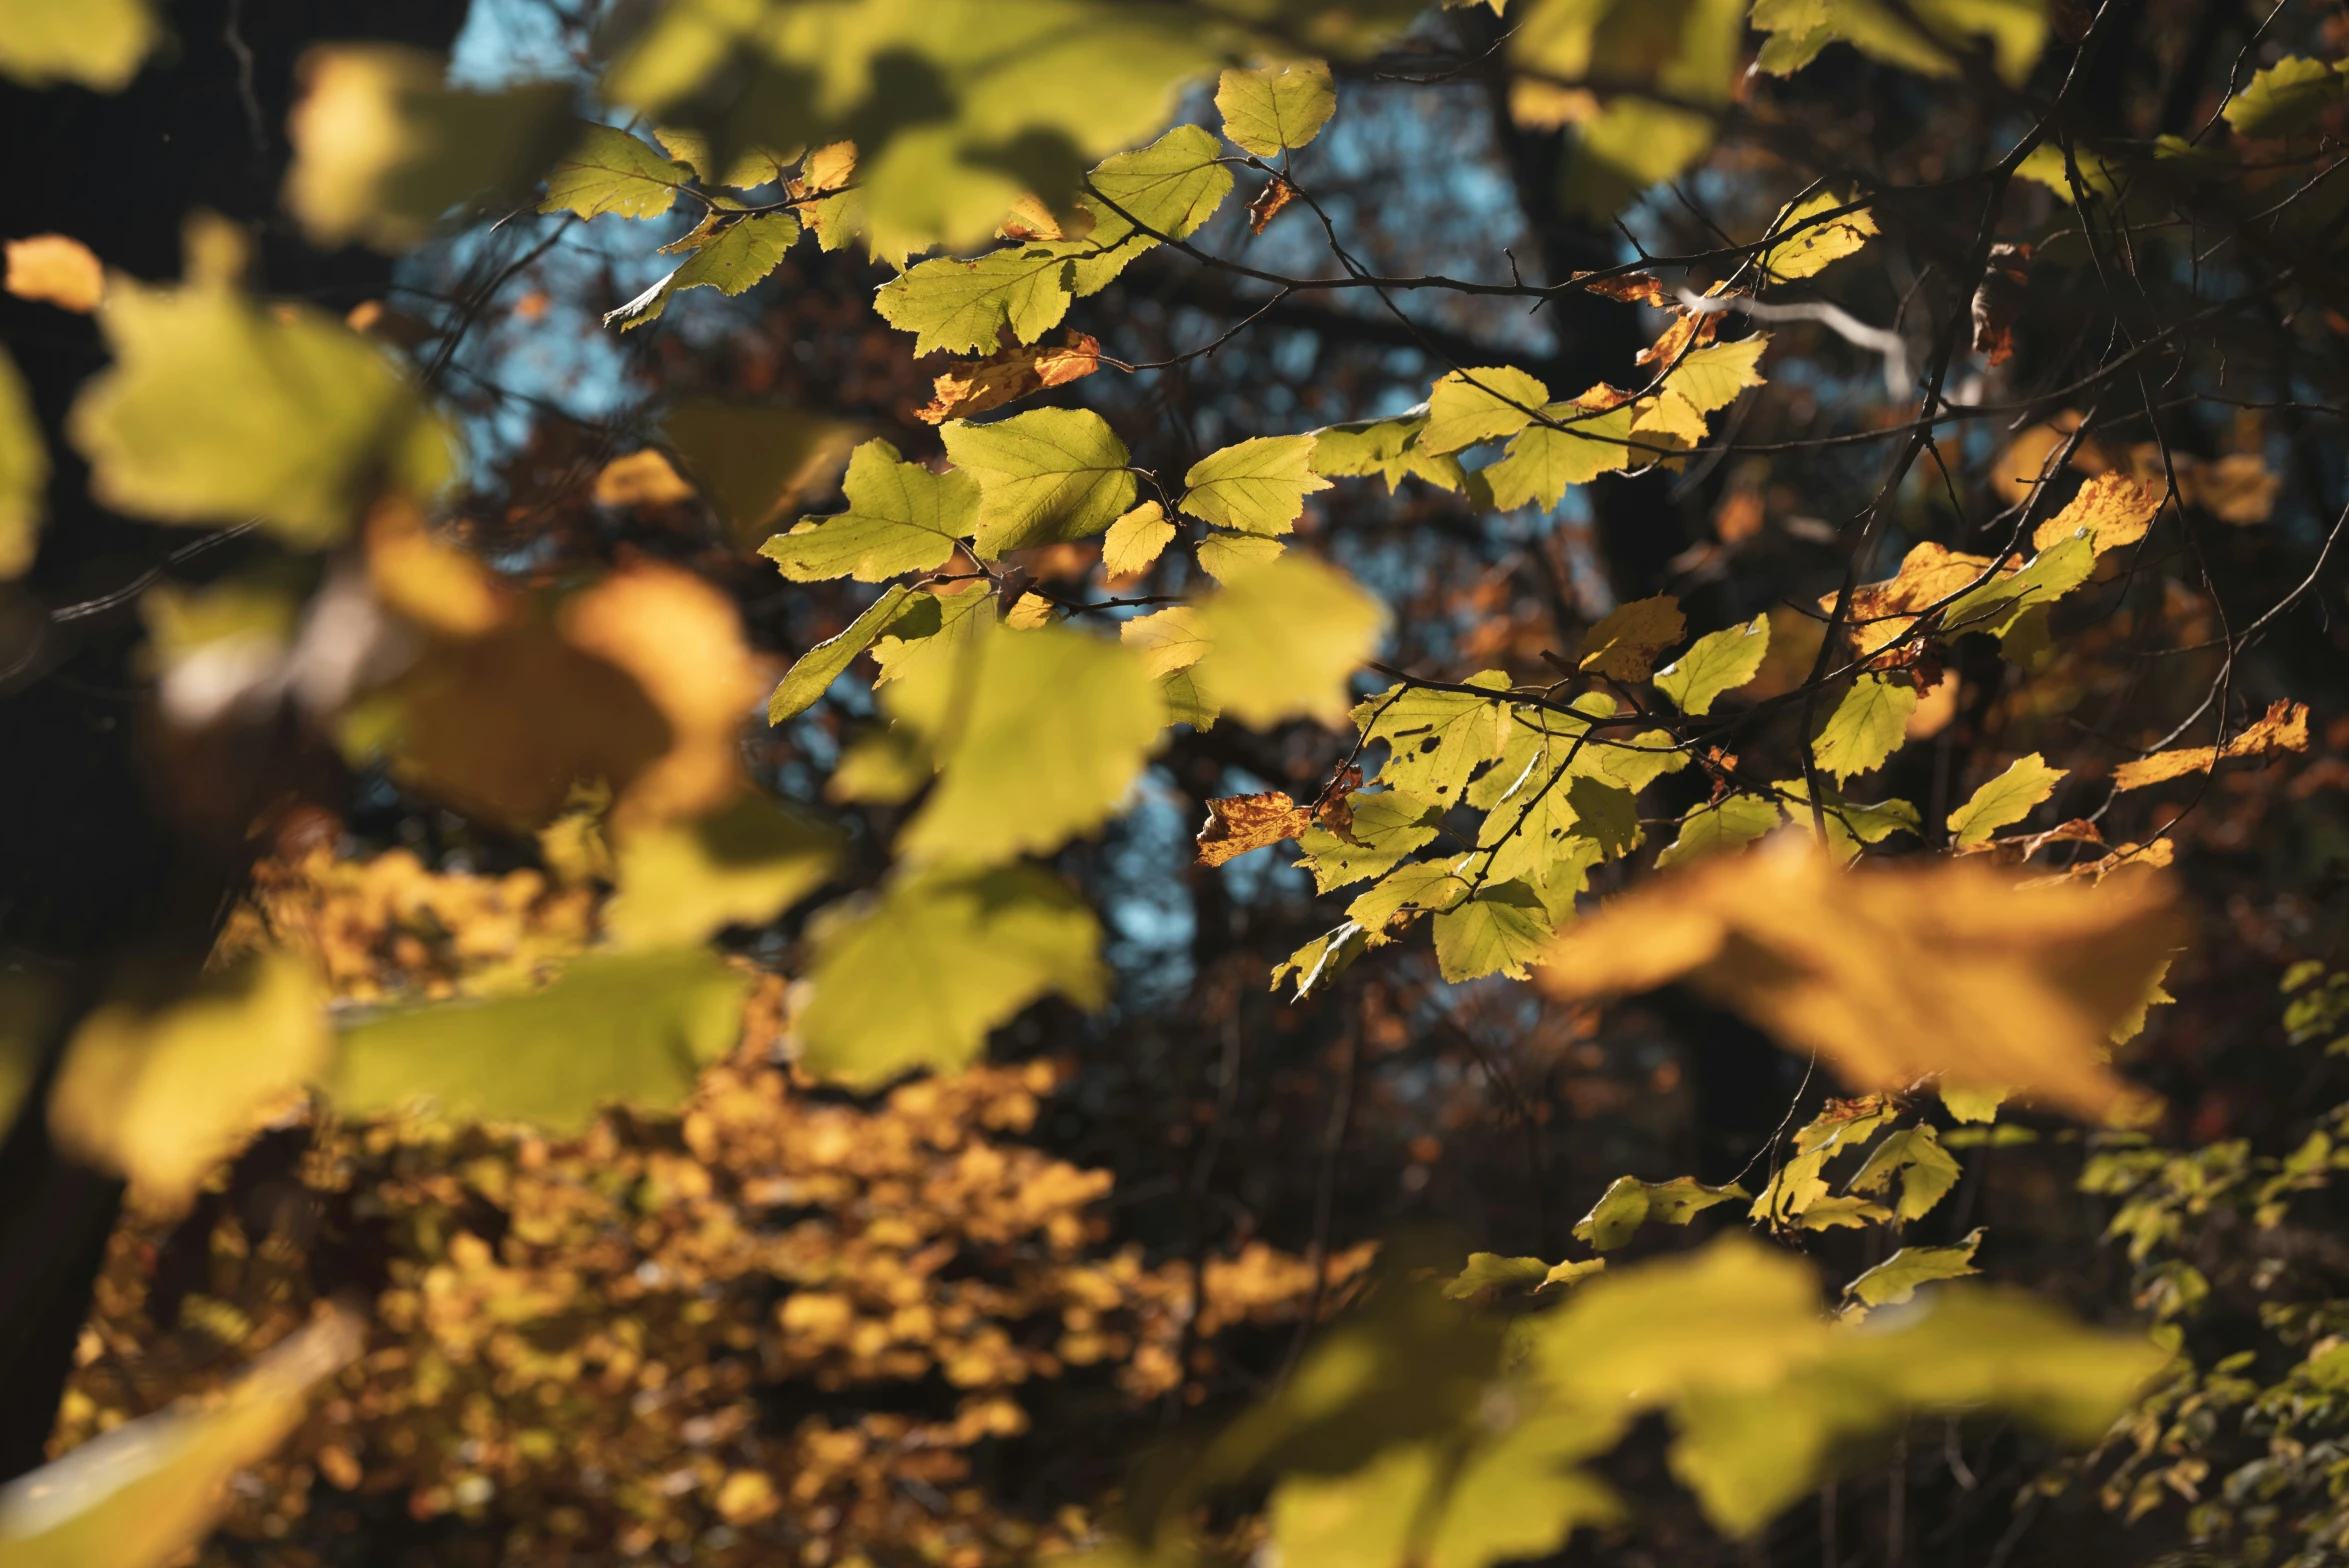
{"x":1867,"y":725}
{"x":1893,"y":974}
{"x":1914,"y":1156}
{"x":1435,"y":739}
{"x":975,"y":386}
{"x":1715,"y":663}
{"x":1628,"y":1203}
{"x":1258,"y":486}
{"x":1468,"y":406}
{"x":610,"y":171}
{"x":1051,"y":475}
{"x":2285,"y":98}
{"x":1577,"y":446}
{"x":24,"y":473}
{"x":1271,"y":110}
{"x":1237,"y":824}
{"x":1710,"y":378}
{"x":2114,"y":508}
{"x":1624,"y":645}
{"x":1135,"y":541}
{"x":2284,"y":727}
{"x":963,"y":307}
{"x":1810,"y":247}
{"x":1498,"y":929}
{"x":815,"y":670}
{"x":990,"y":942}
{"x":1285,"y":639}
{"x":2004,"y":801}
{"x":1037,"y":734}
{"x":901,"y":518}
{"x":1385,"y":826}
{"x":1896,"y":1279}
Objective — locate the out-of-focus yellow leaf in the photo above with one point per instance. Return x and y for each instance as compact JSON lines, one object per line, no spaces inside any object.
{"x":216,"y":410}
{"x":612,"y":1028}
{"x":1038,"y":736}
{"x":24,"y":473}
{"x":383,"y":147}
{"x":147,"y":1492}
{"x":428,"y":579}
{"x":1276,"y":108}
{"x":642,"y":478}
{"x":990,"y":943}
{"x":755,"y":463}
{"x":58,"y":269}
{"x":1896,"y":974}
{"x":1227,"y":557}
{"x":1284,"y":642}
{"x":97,"y":45}
{"x":742,"y":864}
{"x":160,"y":1092}
{"x":1624,"y":645}
{"x":1486,"y":1270}
{"x":2284,"y":727}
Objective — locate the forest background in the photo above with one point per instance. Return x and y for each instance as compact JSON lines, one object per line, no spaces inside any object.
{"x":1746,"y":595}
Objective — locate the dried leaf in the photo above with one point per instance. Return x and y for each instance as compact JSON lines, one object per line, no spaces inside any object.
{"x":58,"y":269}
{"x":1624,"y":645}
{"x":974,"y":386}
{"x":1237,"y":824}
{"x":2284,"y":727}
{"x":2114,"y":508}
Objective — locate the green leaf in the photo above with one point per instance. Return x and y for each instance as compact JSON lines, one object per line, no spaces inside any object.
{"x":753,"y":461}
{"x":1322,"y":959}
{"x":1388,"y":448}
{"x":1038,"y":736}
{"x":1711,"y":377}
{"x":1516,"y":1497}
{"x":963,"y":307}
{"x":1256,"y":487}
{"x":2004,"y":801}
{"x":1172,"y":187}
{"x":1284,"y":641}
{"x":1896,"y":1279}
{"x":734,"y":257}
{"x":1269,"y":111}
{"x":1730,"y":823}
{"x":215,"y":410}
{"x":1498,"y":930}
{"x":2285,"y":98}
{"x":1050,"y":475}
{"x":1542,"y":461}
{"x":2002,"y":606}
{"x":1868,"y":725}
{"x":1489,"y":1269}
{"x":1435,"y":739}
{"x":1387,"y":825}
{"x":1926,"y":1170}
{"x":2016,"y":31}
{"x":384,"y":148}
{"x":742,"y":865}
{"x":613,"y":1028}
{"x":1628,"y":1203}
{"x":1972,"y":1105}
{"x":936,"y":626}
{"x":990,"y":942}
{"x":1185,"y":703}
{"x":96,"y":45}
{"x":24,"y":473}
{"x":815,"y":670}
{"x":1632,"y":144}
{"x":610,"y":171}
{"x":1715,"y":663}
{"x":1226,"y":557}
{"x":1572,"y":1273}
{"x":147,"y":1493}
{"x":1419,"y":886}
{"x":901,"y":518}
{"x":1469,"y":406}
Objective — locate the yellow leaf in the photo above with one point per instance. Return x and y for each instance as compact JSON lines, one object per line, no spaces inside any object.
{"x":1226,"y":556}
{"x":1468,"y":406}
{"x":1168,"y":640}
{"x":1135,"y":541}
{"x":1269,"y":111}
{"x":1893,"y":975}
{"x":1624,"y":645}
{"x":58,"y":269}
{"x":2284,"y":727}
{"x":2114,"y":508}
{"x":642,"y":478}
{"x":1285,"y":640}
{"x":1809,"y":248}
{"x":1710,"y":378}
{"x":98,"y":45}
{"x":743,"y":864}
{"x":160,"y":1092}
{"x":24,"y":473}
{"x":2005,"y":800}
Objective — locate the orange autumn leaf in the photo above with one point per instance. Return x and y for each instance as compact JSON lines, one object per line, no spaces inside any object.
{"x":2115,"y":508}
{"x":1268,"y":204}
{"x":1624,"y":645}
{"x":1882,"y":613}
{"x":426,"y":578}
{"x":1688,"y":331}
{"x":973,"y":386}
{"x":1893,"y":975}
{"x":1237,"y":824}
{"x":1632,"y":288}
{"x":645,"y":478}
{"x":2284,"y":727}
{"x":58,"y":269}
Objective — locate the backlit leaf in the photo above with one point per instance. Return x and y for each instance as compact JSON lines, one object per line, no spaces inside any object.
{"x":24,"y":474}
{"x":1285,"y":640}
{"x":1171,"y":187}
{"x":961,"y":307}
{"x":2004,"y":801}
{"x":2284,"y":727}
{"x":1488,"y":1269}
{"x":1544,"y":460}
{"x":1925,"y":1170}
{"x":1387,"y":825}
{"x":901,"y":518}
{"x":1135,"y":541}
{"x":1469,"y":406}
{"x":609,"y":171}
{"x":1896,"y":1279}
{"x":1237,"y":824}
{"x":1867,"y":725}
{"x":1624,"y":645}
{"x":1730,"y":823}
{"x":1435,"y":739}
{"x":1497,"y":930}
{"x":816,"y":669}
{"x":94,"y":45}
{"x":1712,"y":377}
{"x":1388,"y":448}
{"x":1322,"y":959}
{"x":991,"y":943}
{"x":1811,"y":247}
{"x":612,"y":1028}
{"x":1050,"y":475}
{"x":741,"y":865}
{"x":1258,"y":486}
{"x":737,"y":255}
{"x":1715,"y":663}
{"x":2114,"y":508}
{"x":1892,"y":974}
{"x":1228,"y":556}
{"x":975,"y":386}
{"x":1271,"y":110}
{"x":2285,"y":98}
{"x":1629,"y":1203}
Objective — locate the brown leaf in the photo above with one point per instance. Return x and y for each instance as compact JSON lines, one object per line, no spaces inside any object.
{"x":1998,"y":300}
{"x":1268,"y":203}
{"x":1632,"y":288}
{"x":1335,"y":811}
{"x":1882,"y":613}
{"x":1897,"y":974}
{"x":58,"y":269}
{"x":1237,"y":824}
{"x":973,"y":386}
{"x":1687,"y":332}
{"x":2284,"y":727}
